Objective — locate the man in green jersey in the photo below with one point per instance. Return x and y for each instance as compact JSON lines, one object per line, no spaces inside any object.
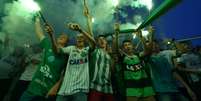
{"x":49,"y":70}
{"x":100,"y":69}
{"x":136,"y":80}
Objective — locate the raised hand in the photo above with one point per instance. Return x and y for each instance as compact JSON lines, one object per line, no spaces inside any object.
{"x":150,"y":29}
{"x":48,"y":29}
{"x":139,"y":34}
{"x":74,"y":26}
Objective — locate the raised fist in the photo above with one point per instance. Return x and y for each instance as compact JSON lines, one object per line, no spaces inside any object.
{"x":139,"y":34}
{"x":150,"y":29}
{"x":74,"y":26}
{"x":48,"y":28}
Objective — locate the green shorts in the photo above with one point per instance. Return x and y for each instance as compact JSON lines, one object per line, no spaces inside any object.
{"x":140,"y":92}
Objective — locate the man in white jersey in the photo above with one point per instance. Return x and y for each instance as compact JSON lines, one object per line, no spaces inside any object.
{"x":75,"y":85}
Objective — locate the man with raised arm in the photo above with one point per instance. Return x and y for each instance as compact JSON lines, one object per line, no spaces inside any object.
{"x":101,"y":70}
{"x":75,"y":85}
{"x":49,"y":70}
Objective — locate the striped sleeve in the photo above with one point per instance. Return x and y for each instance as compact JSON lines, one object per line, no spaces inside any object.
{"x":67,"y":49}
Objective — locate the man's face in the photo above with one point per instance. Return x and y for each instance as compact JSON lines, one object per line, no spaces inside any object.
{"x":102,"y":42}
{"x":155,"y":47}
{"x":128,"y":47}
{"x":182,"y":47}
{"x":62,"y":39}
{"x":80,"y":40}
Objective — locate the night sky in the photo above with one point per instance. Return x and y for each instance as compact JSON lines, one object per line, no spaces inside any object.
{"x":183,"y":21}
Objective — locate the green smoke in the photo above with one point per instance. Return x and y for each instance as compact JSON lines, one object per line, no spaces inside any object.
{"x":17,"y":22}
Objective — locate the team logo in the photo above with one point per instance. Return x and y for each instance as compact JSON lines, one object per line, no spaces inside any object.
{"x":50,"y":50}
{"x":45,"y":69}
{"x":83,"y":54}
{"x":51,"y":58}
{"x":135,"y":67}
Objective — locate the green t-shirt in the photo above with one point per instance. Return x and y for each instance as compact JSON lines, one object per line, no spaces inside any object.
{"x":48,"y":72}
{"x":137,"y":82}
{"x":100,"y":71}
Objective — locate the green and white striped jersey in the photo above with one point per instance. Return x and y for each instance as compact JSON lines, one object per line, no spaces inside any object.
{"x":76,"y":77}
{"x":100,"y":69}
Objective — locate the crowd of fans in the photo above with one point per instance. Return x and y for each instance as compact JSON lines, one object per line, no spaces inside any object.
{"x":99,"y":71}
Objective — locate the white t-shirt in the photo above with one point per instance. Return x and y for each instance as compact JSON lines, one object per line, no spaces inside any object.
{"x":31,"y":68}
{"x":76,"y":77}
{"x":191,"y":61}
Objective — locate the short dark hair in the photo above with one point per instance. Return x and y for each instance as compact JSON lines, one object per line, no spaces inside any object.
{"x":101,"y":36}
{"x":126,"y":41}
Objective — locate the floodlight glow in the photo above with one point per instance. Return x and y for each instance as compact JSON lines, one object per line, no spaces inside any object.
{"x":147,"y":3}
{"x":134,"y":35}
{"x":115,"y":2}
{"x":30,"y":5}
{"x":145,"y":33}
{"x":93,"y":20}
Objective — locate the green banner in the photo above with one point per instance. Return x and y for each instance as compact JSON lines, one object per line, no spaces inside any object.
{"x":163,"y":8}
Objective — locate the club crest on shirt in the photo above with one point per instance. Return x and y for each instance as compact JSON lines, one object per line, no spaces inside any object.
{"x":50,"y":50}
{"x":83,"y":54}
{"x":134,"y":67}
{"x":51,"y":58}
{"x":45,"y":69}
